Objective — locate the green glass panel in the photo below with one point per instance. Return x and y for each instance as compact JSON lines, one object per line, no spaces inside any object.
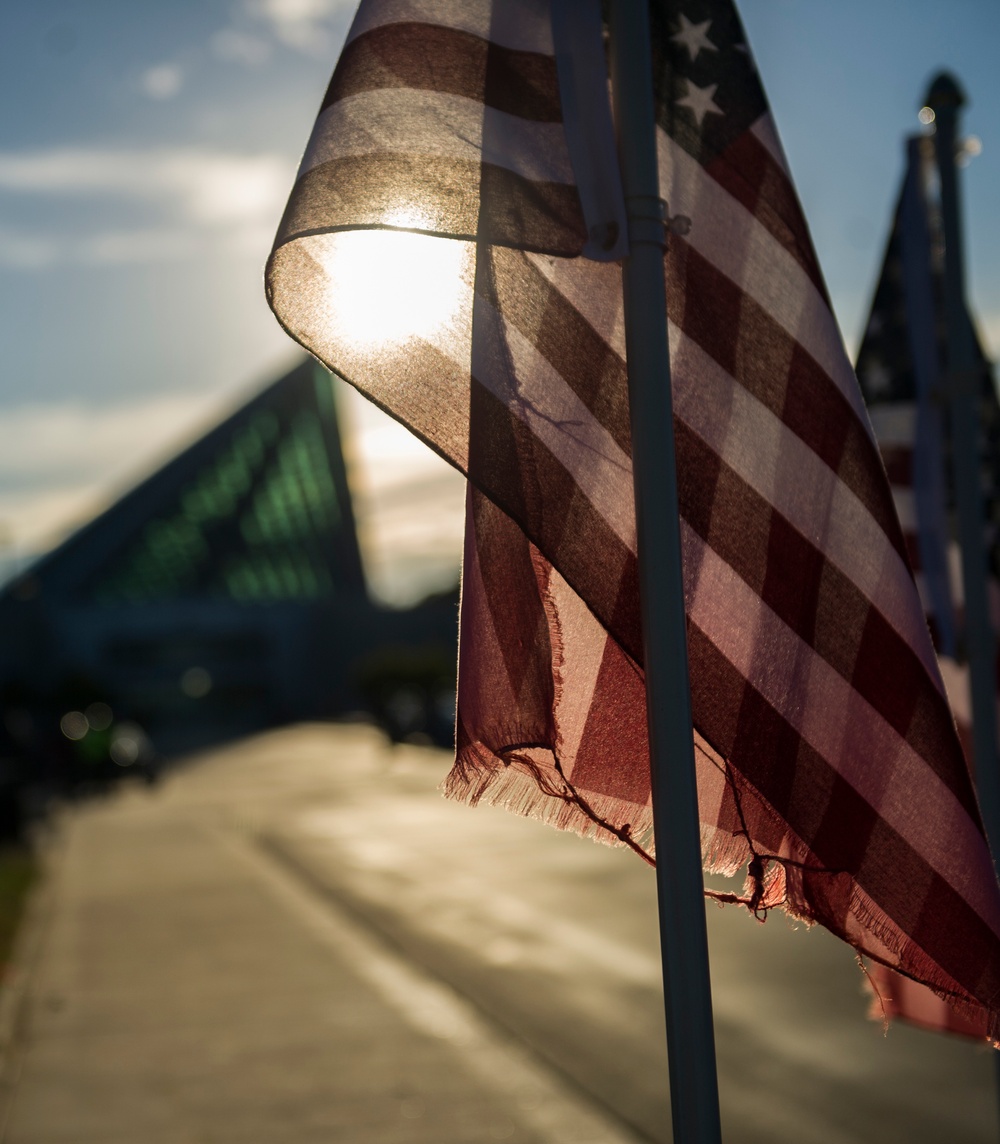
{"x":254,"y":524}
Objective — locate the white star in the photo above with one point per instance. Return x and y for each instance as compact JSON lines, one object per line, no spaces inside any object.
{"x":694,"y":37}
{"x":699,"y":100}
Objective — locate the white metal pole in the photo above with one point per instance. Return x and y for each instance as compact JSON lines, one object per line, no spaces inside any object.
{"x":683,"y":936}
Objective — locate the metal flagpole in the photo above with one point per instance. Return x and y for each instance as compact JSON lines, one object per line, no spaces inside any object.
{"x":683,"y":937}
{"x":963,"y":382}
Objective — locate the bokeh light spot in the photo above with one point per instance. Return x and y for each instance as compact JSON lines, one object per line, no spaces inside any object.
{"x":74,"y":725}
{"x":99,"y":716}
{"x":196,"y":683}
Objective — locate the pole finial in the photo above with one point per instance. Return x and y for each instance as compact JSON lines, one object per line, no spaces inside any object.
{"x":945,"y":92}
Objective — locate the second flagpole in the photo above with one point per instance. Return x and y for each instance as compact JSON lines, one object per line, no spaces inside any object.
{"x":683,"y":937}
{"x":964,"y":379}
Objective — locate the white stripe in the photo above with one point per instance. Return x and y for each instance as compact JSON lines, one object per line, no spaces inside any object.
{"x":564,"y":425}
{"x":721,"y":853}
{"x":766,"y":133}
{"x":839,"y":724}
{"x":778,"y":465}
{"x":407,"y":121}
{"x":593,"y":289}
{"x":731,"y":238}
{"x":766,"y":454}
{"x":583,"y":640}
{"x":519,"y":24}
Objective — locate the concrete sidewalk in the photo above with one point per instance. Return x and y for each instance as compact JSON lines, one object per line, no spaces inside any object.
{"x":295,"y":939}
{"x":188,"y":990}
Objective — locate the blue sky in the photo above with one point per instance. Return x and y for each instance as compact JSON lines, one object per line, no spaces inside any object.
{"x":145,"y":154}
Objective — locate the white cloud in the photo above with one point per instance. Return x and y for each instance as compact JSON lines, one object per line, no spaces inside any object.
{"x":62,"y":462}
{"x":237,"y":46}
{"x":409,"y":504}
{"x":44,"y":444}
{"x":205,"y":187}
{"x":34,"y":522}
{"x":238,"y":199}
{"x":126,"y":246}
{"x":162,"y":82}
{"x":27,"y":251}
{"x":304,"y":25}
{"x":989,"y":331}
{"x":412,"y":544}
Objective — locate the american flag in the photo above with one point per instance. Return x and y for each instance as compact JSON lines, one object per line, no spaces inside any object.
{"x":901,"y":370}
{"x":822,"y":732}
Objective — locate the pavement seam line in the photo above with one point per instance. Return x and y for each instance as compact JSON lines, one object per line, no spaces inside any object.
{"x":538,"y":1099}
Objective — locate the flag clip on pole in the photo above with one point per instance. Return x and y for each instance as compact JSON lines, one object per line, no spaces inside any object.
{"x":945,"y":98}
{"x":683,"y":936}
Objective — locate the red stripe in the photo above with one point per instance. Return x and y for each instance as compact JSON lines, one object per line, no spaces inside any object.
{"x":613,"y":758}
{"x":359,"y":191}
{"x":747,"y":170}
{"x":543,"y":217}
{"x":518,"y":617}
{"x":518,"y":472}
{"x":560,"y":333}
{"x":505,"y":685}
{"x":737,"y":333}
{"x":819,"y":603}
{"x":844,"y":833}
{"x":428,"y":57}
{"x":900,"y":997}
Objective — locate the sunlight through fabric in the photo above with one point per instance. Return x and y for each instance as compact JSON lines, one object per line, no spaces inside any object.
{"x":385,"y":287}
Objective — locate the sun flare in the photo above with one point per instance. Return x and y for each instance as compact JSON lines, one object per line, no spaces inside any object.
{"x":385,"y":287}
